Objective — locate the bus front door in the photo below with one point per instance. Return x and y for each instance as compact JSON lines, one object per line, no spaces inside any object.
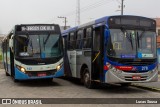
{"x":97,"y":62}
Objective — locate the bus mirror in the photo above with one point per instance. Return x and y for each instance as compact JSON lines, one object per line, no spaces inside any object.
{"x":10,"y":43}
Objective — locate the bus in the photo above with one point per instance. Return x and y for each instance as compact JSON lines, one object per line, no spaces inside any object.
{"x":113,"y":49}
{"x":33,"y":51}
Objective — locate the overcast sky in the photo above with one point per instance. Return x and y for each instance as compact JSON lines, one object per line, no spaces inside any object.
{"x":46,"y":11}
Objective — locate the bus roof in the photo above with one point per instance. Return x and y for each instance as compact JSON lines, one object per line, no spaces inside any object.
{"x":96,"y":22}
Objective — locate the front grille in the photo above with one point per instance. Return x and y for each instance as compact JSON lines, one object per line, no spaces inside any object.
{"x":35,"y":73}
{"x":135,"y":71}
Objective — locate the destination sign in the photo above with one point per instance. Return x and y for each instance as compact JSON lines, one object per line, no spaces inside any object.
{"x":37,"y":28}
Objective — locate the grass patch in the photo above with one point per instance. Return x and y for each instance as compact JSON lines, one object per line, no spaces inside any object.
{"x":0,"y":57}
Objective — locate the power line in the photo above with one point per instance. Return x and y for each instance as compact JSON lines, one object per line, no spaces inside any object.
{"x":86,"y":8}
{"x":94,"y":5}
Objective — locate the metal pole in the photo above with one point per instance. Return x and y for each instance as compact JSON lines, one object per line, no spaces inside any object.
{"x":65,"y":21}
{"x":122,"y":7}
{"x":79,"y":18}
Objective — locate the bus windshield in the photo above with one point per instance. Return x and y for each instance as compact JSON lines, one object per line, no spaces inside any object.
{"x":38,"y":46}
{"x":131,"y":44}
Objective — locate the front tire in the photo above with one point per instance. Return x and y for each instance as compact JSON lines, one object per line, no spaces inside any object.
{"x":13,"y":76}
{"x":7,"y":74}
{"x":86,"y":79}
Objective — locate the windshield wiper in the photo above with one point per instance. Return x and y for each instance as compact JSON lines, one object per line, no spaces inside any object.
{"x":40,"y":46}
{"x":47,"y":39}
{"x":129,"y":38}
{"x":138,"y":39}
{"x":140,"y":36}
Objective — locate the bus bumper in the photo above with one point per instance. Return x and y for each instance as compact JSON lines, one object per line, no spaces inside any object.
{"x":22,"y":76}
{"x":124,"y":77}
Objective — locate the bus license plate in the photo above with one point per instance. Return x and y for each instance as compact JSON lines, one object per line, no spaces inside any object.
{"x":42,"y":74}
{"x":136,"y":77}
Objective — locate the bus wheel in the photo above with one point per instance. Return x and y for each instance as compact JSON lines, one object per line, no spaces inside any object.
{"x":7,"y":74}
{"x":15,"y":80}
{"x":13,"y":77}
{"x":125,"y":84}
{"x":86,"y":79}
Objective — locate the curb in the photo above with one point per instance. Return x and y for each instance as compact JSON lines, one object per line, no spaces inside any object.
{"x":154,"y":89}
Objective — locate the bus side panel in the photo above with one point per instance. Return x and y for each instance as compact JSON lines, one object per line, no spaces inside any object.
{"x":72,"y":62}
{"x":83,"y":58}
{"x":67,"y":70}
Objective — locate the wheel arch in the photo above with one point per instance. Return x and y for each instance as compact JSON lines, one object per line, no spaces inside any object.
{"x":82,"y":70}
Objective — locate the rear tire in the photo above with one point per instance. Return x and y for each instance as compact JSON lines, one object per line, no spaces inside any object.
{"x":86,"y":79}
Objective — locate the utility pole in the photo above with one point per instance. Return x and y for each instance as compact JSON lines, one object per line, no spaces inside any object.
{"x":78,"y":22}
{"x":122,"y":7}
{"x":65,"y":21}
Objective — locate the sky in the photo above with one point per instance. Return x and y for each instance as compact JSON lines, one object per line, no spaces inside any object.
{"x":14,"y":12}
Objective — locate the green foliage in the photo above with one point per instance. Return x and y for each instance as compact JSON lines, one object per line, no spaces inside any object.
{"x":0,"y":57}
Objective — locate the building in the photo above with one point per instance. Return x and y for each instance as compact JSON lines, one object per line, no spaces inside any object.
{"x":158,"y":31}
{"x":158,"y":41}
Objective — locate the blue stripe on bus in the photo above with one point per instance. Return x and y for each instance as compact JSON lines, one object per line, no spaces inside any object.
{"x":59,"y":73}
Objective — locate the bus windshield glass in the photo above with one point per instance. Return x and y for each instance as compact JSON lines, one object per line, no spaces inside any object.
{"x":124,"y":43}
{"x":38,"y":46}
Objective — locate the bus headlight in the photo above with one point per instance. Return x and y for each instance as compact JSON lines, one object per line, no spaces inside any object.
{"x":154,"y":70}
{"x":117,"y":71}
{"x":58,"y":67}
{"x":113,"y":69}
{"x":22,"y":69}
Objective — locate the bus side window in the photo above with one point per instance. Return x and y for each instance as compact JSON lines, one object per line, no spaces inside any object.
{"x":96,"y":40}
{"x":87,"y":38}
{"x":79,"y":39}
{"x":68,"y":43}
{"x":72,"y":40}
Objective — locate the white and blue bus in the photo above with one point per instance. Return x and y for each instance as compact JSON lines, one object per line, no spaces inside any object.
{"x":33,"y":51}
{"x":112,"y":49}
